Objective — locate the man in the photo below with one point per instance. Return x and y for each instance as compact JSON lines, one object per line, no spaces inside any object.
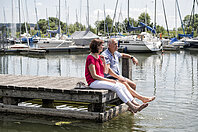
{"x":112,"y":60}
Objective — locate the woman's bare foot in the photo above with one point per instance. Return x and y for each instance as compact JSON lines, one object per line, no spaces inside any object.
{"x":141,"y":107}
{"x":135,"y":103}
{"x":130,"y":110}
{"x":148,"y":99}
{"x":137,"y":108}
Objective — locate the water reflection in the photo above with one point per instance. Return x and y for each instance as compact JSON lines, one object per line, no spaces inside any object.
{"x":50,"y":65}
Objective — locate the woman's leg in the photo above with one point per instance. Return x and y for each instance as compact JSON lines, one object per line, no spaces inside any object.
{"x":111,"y":86}
{"x":126,"y":91}
{"x":121,"y":91}
{"x":138,"y":96}
{"x":131,"y":105}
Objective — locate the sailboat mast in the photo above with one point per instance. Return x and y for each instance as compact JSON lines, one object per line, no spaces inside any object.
{"x":114,"y":16}
{"x":19,"y":21}
{"x":176,"y":18}
{"x":180,"y":17}
{"x":68,"y":20}
{"x":25,"y":24}
{"x":88,"y":14}
{"x":12,"y":26}
{"x":104,"y":20}
{"x":77,"y":20}
{"x":48,"y":21}
{"x":36,"y":16}
{"x":66,"y":17}
{"x":145,"y":18}
{"x":97,"y":23}
{"x":80,"y":12}
{"x":59,"y":21}
{"x":155,"y":13}
{"x":128,"y":11}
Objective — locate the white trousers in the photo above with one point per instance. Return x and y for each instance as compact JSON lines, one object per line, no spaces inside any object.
{"x":119,"y":88}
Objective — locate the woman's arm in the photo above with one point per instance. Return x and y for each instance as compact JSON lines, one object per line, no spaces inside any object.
{"x":106,"y":68}
{"x":97,"y":77}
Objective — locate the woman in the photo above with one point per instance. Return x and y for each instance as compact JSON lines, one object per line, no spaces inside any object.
{"x":94,"y":73}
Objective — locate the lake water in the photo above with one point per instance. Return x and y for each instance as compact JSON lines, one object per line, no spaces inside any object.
{"x":172,"y":77}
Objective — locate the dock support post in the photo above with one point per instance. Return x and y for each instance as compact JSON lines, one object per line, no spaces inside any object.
{"x":126,"y":68}
{"x":47,"y":103}
{"x":96,"y":107}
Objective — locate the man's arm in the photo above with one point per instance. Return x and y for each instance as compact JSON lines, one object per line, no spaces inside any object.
{"x":135,"y":61}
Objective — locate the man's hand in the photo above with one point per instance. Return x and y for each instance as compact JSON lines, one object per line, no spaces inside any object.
{"x":135,"y":61}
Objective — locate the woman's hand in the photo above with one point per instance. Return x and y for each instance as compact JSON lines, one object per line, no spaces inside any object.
{"x":103,"y":59}
{"x":121,"y":79}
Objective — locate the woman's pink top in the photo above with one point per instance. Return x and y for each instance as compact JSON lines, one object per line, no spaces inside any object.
{"x":99,"y":67}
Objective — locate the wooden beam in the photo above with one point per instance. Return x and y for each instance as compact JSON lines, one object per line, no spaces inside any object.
{"x":97,"y":116}
{"x":126,"y":68}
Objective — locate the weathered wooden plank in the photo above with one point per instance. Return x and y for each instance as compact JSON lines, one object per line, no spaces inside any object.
{"x":113,"y":112}
{"x":49,"y":95}
{"x":50,"y":112}
{"x":97,"y":116}
{"x":15,"y":80}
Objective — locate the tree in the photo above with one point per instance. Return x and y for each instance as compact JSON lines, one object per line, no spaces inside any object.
{"x":23,"y":29}
{"x":108,"y":24}
{"x":190,"y":24}
{"x":141,"y":18}
{"x":160,"y":29}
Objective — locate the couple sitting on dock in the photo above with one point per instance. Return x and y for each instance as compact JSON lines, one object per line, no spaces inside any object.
{"x":101,"y":71}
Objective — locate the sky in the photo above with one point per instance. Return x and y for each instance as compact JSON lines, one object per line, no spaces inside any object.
{"x":96,"y":10}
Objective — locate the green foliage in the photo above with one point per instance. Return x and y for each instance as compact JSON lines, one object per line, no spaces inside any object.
{"x":121,"y":26}
{"x":23,"y":29}
{"x":141,"y":18}
{"x":108,"y":24}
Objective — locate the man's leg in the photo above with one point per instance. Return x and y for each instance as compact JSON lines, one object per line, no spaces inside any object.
{"x":131,"y":83}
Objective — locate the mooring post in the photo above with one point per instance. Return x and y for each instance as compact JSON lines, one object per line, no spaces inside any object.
{"x":126,"y":68}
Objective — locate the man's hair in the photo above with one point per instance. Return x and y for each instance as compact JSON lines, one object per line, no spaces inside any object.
{"x":94,"y":45}
{"x":110,"y":41}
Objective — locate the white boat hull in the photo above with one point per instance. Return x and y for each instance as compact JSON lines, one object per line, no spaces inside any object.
{"x":143,"y":42}
{"x":140,"y":46}
{"x":54,"y":43}
{"x":18,"y":46}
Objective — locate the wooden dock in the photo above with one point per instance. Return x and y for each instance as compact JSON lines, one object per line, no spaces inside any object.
{"x":17,"y":88}
{"x":43,"y":51}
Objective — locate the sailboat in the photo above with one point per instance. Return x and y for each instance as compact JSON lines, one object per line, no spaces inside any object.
{"x":174,"y":43}
{"x":56,"y":42}
{"x":192,"y":44}
{"x":19,"y":45}
{"x":143,"y":42}
{"x":83,"y":38}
